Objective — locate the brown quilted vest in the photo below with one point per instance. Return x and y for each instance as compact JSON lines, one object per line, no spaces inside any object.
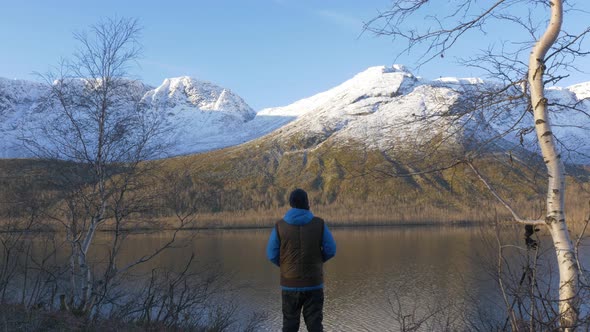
{"x":301,"y":253}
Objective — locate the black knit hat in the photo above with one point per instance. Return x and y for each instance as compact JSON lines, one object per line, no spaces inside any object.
{"x":298,"y":199}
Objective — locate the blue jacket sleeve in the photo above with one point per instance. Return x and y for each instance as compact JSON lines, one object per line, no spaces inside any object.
{"x":328,"y":244}
{"x":273,"y":247}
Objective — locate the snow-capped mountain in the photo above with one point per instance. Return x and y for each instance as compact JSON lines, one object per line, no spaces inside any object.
{"x":382,"y":108}
{"x":196,"y":112}
{"x":182,"y":93}
{"x":17,"y":101}
{"x":386,"y":108}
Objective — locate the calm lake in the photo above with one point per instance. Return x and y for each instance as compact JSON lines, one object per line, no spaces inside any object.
{"x":375,"y":272}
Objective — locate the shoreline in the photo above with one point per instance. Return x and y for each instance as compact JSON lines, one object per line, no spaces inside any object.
{"x":351,"y":225}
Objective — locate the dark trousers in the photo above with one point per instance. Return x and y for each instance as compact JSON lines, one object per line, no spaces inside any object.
{"x":312,"y":303}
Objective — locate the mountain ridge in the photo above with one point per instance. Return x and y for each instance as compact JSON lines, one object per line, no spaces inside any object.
{"x":382,"y":107}
{"x":353,"y":148}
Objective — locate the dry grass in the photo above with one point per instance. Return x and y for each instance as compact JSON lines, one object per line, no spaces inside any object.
{"x":247,"y":186}
{"x":378,"y":215}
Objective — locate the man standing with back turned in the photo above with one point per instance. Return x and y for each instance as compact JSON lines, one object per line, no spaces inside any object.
{"x":300,"y":244}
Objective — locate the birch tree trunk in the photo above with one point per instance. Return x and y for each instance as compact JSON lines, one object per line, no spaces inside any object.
{"x":555,"y":219}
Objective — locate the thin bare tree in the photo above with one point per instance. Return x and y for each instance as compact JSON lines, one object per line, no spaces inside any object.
{"x":101,"y":133}
{"x":552,"y":51}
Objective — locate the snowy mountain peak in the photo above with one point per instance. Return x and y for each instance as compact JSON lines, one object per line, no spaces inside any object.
{"x":377,"y":72}
{"x":389,"y":107}
{"x":187,"y":92}
{"x":581,"y":90}
{"x":194,"y":111}
{"x":398,"y":68}
{"x":374,"y":82}
{"x":380,"y":107}
{"x":381,"y":80}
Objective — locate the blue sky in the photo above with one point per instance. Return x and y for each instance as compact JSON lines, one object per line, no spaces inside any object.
{"x":270,"y":52}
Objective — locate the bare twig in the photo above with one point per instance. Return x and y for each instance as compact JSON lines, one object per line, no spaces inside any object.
{"x":504,"y":203}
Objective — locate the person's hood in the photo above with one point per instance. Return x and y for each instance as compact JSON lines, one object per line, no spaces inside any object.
{"x":298,"y":216}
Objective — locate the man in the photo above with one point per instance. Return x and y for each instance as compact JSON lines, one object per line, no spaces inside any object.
{"x":299,"y":244}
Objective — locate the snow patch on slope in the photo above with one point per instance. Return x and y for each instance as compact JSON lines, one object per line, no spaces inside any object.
{"x":381,"y":107}
{"x":18,"y":98}
{"x":388,"y":107}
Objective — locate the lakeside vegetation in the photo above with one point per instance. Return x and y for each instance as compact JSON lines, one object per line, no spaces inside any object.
{"x":245,"y":186}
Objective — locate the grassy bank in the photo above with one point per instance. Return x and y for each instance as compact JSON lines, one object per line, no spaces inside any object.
{"x":247,"y":187}
{"x":337,"y":216}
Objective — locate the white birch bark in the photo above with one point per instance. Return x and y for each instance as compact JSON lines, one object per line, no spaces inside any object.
{"x":555,"y":219}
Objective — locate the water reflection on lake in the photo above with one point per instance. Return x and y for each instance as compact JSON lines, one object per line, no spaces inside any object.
{"x":426,"y":268}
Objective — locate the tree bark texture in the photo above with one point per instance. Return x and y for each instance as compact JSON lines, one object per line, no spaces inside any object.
{"x":555,"y":219}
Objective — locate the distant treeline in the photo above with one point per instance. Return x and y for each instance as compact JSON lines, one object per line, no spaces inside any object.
{"x":242,"y":186}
